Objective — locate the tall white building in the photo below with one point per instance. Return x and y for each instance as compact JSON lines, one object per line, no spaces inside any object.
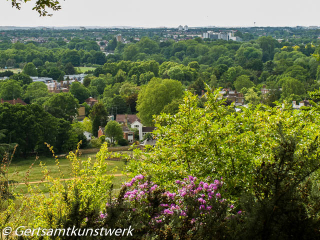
{"x":221,"y":35}
{"x":186,"y":28}
{"x":180,"y":28}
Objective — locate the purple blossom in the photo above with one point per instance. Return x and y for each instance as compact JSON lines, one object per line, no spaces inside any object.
{"x":154,"y":187}
{"x":102,"y":216}
{"x":192,"y":221}
{"x":139,"y":177}
{"x":168,"y":212}
{"x":178,"y":182}
{"x":231,"y":206}
{"x":202,"y":207}
{"x":240,"y":212}
{"x":183,"y":213}
{"x":205,"y":186}
{"x":201,"y":200}
{"x":218,"y":195}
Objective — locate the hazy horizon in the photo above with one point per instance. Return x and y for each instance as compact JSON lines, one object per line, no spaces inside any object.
{"x":170,"y":14}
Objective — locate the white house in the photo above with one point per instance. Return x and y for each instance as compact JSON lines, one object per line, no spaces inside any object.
{"x":88,"y":135}
{"x":142,"y":130}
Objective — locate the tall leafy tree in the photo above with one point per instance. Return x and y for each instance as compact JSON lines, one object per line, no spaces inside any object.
{"x":35,"y":91}
{"x":155,"y":95}
{"x":99,"y":117}
{"x":114,"y":131}
{"x":30,"y":69}
{"x":10,"y":89}
{"x":79,"y":91}
{"x":62,"y":105}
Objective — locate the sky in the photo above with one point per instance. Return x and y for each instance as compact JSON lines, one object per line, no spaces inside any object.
{"x":168,"y":13}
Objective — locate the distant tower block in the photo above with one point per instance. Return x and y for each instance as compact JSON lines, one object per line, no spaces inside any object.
{"x":186,"y":28}
{"x":180,"y":28}
{"x":119,"y":38}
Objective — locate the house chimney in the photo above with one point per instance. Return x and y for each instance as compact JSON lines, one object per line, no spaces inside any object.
{"x":126,"y":120}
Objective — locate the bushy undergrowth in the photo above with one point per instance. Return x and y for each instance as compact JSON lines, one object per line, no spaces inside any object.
{"x":194,"y":210}
{"x":213,"y":174}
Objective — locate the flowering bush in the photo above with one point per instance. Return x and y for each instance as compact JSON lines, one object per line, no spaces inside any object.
{"x":194,"y":209}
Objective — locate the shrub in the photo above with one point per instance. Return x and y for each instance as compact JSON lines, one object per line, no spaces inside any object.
{"x":95,"y":142}
{"x":102,"y":138}
{"x":194,"y":210}
{"x":76,"y":202}
{"x":123,"y":142}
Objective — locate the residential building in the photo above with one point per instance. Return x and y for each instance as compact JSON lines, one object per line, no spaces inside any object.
{"x":81,"y":113}
{"x":88,"y":135}
{"x":91,"y":101}
{"x":232,"y":96}
{"x":304,"y":103}
{"x":134,"y":122}
{"x":221,"y":35}
{"x":128,"y":134}
{"x":119,"y":38}
{"x":14,"y":101}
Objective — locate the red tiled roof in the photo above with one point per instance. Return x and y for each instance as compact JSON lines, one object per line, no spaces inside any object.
{"x":121,"y":118}
{"x":14,"y":101}
{"x":91,"y":99}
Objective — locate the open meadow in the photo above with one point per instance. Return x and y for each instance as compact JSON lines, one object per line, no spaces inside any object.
{"x":31,"y":171}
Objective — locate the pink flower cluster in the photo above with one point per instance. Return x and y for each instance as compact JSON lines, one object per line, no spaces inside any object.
{"x":141,"y":189}
{"x":175,"y":203}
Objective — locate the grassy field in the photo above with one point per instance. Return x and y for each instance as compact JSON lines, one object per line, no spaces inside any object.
{"x":17,"y":70}
{"x":29,"y":170}
{"x":84,"y":69}
{"x":14,"y":70}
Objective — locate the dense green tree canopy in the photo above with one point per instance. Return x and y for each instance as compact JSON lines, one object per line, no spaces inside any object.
{"x":155,"y":96}
{"x":113,"y":130}
{"x":79,"y":91}
{"x":35,"y":91}
{"x":10,"y":89}
{"x":243,"y":81}
{"x":30,"y":69}
{"x":62,"y":105}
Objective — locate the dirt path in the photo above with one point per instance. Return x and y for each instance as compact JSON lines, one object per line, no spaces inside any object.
{"x":64,"y":179}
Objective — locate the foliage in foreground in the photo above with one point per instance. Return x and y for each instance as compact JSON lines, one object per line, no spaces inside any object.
{"x":268,"y":158}
{"x":195,"y":209}
{"x":68,"y":203}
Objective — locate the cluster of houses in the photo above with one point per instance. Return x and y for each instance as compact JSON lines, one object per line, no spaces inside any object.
{"x":63,"y":86}
{"x":232,"y":96}
{"x":128,"y":123}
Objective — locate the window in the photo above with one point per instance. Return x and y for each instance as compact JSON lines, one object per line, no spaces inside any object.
{"x":136,"y":126}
